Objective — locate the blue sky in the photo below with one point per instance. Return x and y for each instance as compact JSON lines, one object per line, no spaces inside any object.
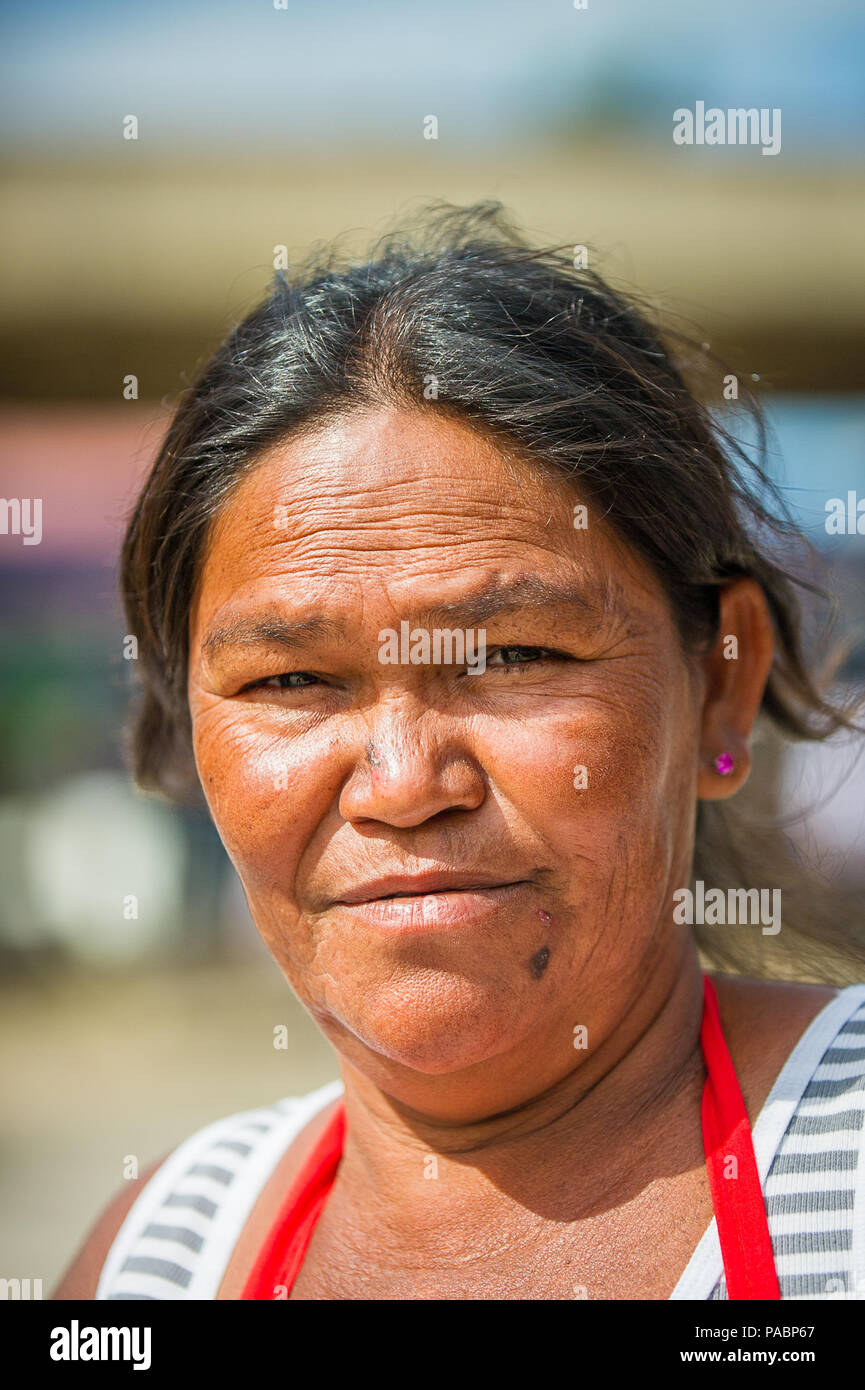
{"x":818,"y":452}
{"x":208,"y":75}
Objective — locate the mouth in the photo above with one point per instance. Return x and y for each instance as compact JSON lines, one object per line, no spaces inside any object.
{"x":421,"y":903}
{"x":424,"y":885}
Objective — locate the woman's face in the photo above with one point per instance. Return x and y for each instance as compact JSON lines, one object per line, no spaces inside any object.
{"x":555,"y":786}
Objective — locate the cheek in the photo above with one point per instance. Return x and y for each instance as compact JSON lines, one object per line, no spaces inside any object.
{"x":265,"y":791}
{"x":595,"y":777}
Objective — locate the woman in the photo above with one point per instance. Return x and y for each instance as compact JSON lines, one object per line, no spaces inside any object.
{"x":451,"y":599}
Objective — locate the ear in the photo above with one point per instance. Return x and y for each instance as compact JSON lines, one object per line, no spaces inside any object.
{"x":736,"y":671}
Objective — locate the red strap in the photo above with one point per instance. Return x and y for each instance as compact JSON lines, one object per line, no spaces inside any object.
{"x":734,"y":1181}
{"x":737,"y":1196}
{"x":281,"y":1255}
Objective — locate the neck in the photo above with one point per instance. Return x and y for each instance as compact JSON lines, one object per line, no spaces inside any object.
{"x":585,"y":1139}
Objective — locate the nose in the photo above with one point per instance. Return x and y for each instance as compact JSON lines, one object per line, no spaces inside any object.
{"x":409,"y":770}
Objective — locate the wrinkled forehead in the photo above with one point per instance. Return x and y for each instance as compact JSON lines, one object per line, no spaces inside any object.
{"x":378,"y":466}
{"x":414,"y":506}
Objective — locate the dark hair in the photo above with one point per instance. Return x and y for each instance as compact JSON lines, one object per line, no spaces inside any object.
{"x":458,"y":314}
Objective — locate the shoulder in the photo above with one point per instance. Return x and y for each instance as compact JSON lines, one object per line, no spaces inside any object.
{"x":81,"y":1275}
{"x":765,"y":1021}
{"x":771,"y":1000}
{"x":170,"y":1233}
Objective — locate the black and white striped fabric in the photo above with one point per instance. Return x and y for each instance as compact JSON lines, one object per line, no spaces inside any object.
{"x":180,"y":1231}
{"x":809,"y":1140}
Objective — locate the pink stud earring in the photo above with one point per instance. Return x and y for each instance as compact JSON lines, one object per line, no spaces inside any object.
{"x":724,"y":764}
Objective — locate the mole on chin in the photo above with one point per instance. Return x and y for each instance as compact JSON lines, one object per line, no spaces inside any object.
{"x":539,"y":962}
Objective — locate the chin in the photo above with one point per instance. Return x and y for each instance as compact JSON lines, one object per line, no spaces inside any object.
{"x":435,"y":1024}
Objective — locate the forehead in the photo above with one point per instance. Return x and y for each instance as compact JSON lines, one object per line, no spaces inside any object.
{"x":407,"y":499}
{"x":375,"y":467}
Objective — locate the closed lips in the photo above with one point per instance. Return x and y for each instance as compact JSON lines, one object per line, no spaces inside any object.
{"x":422,"y":884}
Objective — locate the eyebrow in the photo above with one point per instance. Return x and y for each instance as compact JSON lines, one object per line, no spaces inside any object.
{"x":522,"y":594}
{"x":269,"y":630}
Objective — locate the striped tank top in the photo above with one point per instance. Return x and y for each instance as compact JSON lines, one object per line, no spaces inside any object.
{"x":809,"y":1142}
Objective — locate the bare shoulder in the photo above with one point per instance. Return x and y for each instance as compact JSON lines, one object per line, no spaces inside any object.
{"x":763,"y":1020}
{"x":82,"y":1275}
{"x":741,"y":993}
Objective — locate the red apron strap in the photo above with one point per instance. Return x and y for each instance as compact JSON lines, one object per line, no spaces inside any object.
{"x":734,"y":1180}
{"x":281,"y":1255}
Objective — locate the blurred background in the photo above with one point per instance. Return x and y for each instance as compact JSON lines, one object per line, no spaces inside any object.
{"x":137,"y":1002}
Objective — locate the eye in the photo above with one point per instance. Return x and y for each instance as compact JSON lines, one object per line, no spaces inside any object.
{"x":514,"y":656}
{"x":286,"y":680}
